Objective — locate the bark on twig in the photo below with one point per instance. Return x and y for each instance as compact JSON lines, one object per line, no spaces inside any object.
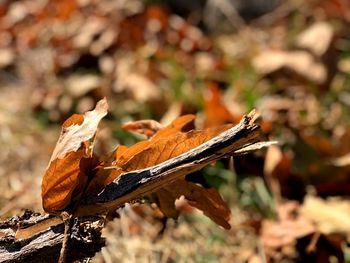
{"x":67,"y":220}
{"x":45,"y":246}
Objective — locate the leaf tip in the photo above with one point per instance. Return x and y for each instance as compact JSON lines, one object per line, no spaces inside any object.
{"x":102,"y":105}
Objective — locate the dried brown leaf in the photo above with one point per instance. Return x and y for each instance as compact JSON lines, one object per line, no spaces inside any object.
{"x":301,"y":63}
{"x":145,"y":127}
{"x":331,"y":215}
{"x":72,"y":162}
{"x":290,"y":227}
{"x":207,"y":200}
{"x":216,"y":112}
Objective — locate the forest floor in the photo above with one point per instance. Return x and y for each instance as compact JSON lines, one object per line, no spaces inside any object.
{"x":289,"y":203}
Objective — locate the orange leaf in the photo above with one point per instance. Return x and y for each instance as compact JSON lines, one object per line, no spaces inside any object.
{"x":64,"y":177}
{"x":163,"y":148}
{"x":151,"y":127}
{"x":145,"y":127}
{"x":207,"y":200}
{"x":72,"y":162}
{"x":216,"y":113}
{"x":183,"y":123}
{"x":123,"y":154}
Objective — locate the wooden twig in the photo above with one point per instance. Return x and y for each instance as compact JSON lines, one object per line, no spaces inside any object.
{"x":67,"y":220}
{"x":45,"y":246}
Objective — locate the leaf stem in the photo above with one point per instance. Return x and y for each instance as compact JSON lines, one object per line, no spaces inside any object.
{"x":66,"y":217}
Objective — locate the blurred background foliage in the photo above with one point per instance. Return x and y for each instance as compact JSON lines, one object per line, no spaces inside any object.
{"x":218,"y":59}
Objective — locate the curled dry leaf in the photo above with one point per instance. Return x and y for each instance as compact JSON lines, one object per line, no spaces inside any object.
{"x":72,"y":162}
{"x":290,"y":227}
{"x":207,"y":200}
{"x":144,"y":127}
{"x":151,"y":127}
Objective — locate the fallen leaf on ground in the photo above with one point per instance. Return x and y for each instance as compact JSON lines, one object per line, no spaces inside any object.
{"x":133,"y":83}
{"x":331,"y":215}
{"x":300,"y":62}
{"x":285,"y":231}
{"x":342,"y":160}
{"x":216,"y":113}
{"x":273,"y":158}
{"x":79,"y":85}
{"x":317,"y":38}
